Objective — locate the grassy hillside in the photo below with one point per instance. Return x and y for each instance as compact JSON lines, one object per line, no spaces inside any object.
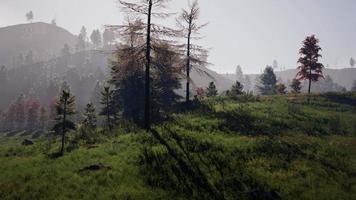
{"x":245,"y":148}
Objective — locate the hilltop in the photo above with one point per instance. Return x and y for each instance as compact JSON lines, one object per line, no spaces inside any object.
{"x":45,"y":40}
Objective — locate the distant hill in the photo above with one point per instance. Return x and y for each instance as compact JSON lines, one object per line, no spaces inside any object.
{"x":202,"y":80}
{"x":343,"y":77}
{"x":45,"y":40}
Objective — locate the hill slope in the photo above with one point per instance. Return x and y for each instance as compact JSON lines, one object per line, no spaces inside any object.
{"x":269,"y":148}
{"x":44,"y":39}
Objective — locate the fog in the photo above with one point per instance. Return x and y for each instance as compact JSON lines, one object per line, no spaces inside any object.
{"x":250,"y":33}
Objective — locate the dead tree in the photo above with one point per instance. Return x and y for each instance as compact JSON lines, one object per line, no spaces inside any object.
{"x":195,"y":56}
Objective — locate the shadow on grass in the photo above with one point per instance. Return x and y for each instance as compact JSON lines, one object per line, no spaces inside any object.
{"x":12,"y":133}
{"x":55,"y":155}
{"x":199,"y":169}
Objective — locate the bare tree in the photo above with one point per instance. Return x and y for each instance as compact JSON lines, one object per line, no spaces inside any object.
{"x":148,"y":9}
{"x":195,"y":55}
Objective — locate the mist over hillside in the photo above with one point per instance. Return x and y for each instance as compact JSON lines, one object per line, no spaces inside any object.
{"x":343,"y":77}
{"x":44,"y":40}
{"x":36,"y":73}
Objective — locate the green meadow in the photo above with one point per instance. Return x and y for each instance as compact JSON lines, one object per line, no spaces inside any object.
{"x":248,"y":147}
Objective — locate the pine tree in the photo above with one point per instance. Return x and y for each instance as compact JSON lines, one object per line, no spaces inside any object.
{"x":148,"y":9}
{"x":127,"y":73}
{"x":268,"y":82}
{"x":281,"y":89}
{"x":82,"y":40}
{"x":296,"y":86}
{"x":128,"y":76}
{"x":108,"y":107}
{"x":236,"y":89}
{"x":65,"y":107}
{"x":90,"y":116}
{"x":195,"y":55}
{"x":54,"y":22}
{"x":352,"y":62}
{"x":310,"y":69}
{"x":166,"y":80}
{"x":211,"y":91}
{"x":95,"y":37}
{"x":108,"y":38}
{"x":29,"y":16}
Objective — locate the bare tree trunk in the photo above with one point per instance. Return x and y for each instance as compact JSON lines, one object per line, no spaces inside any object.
{"x":148,"y":63}
{"x":309,"y":88}
{"x":188,"y":68}
{"x":64,"y":125}
{"x":108,"y":113}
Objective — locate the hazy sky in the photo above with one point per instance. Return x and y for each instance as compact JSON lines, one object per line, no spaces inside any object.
{"x":250,"y":33}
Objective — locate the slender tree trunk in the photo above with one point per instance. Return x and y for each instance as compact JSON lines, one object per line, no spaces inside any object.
{"x":309,"y":88}
{"x":148,"y":63}
{"x":64,"y":125}
{"x":188,"y":69}
{"x":108,"y":112}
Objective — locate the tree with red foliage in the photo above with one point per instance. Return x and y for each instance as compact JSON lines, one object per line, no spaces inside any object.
{"x":310,"y":69}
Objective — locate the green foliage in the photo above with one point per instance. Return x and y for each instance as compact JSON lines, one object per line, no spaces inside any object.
{"x":273,"y":148}
{"x":281,"y":89}
{"x":165,"y":82}
{"x":108,"y":107}
{"x":296,"y":86}
{"x":236,"y":89}
{"x":65,"y":107}
{"x":128,"y":81}
{"x":90,"y":117}
{"x":310,"y":69}
{"x":268,"y":82}
{"x":211,"y":91}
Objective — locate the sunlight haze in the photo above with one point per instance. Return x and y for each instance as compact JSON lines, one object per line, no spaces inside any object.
{"x":250,"y":33}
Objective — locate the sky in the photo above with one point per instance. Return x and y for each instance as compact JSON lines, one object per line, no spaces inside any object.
{"x":249,"y":33}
